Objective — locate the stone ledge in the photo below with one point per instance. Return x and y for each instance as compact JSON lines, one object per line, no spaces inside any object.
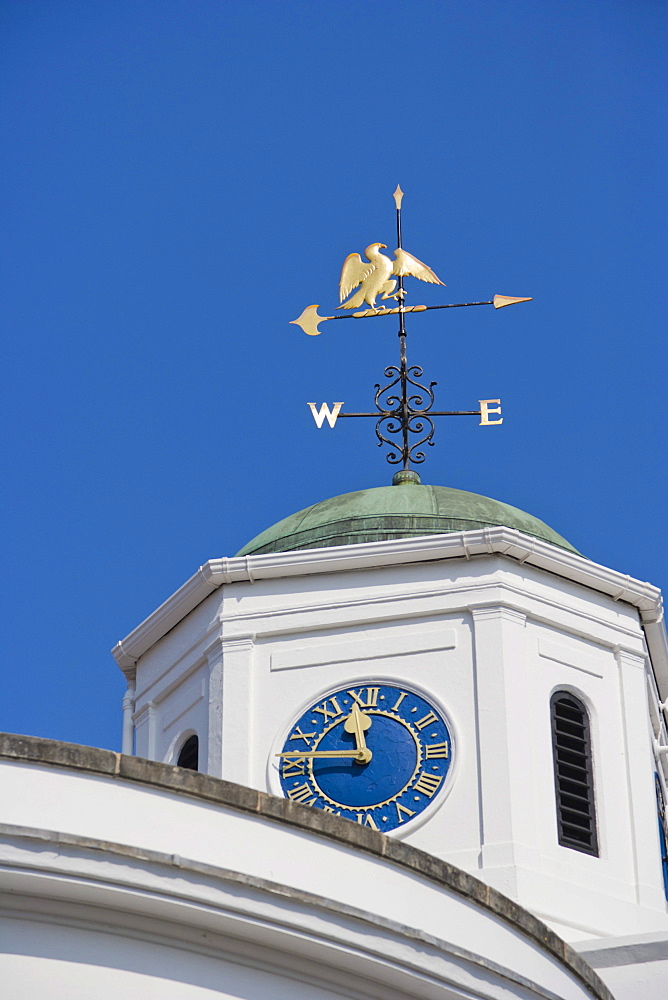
{"x":38,"y":750}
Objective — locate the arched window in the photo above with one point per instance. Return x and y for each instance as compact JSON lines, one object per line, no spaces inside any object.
{"x":573,"y":774}
{"x":189,"y":754}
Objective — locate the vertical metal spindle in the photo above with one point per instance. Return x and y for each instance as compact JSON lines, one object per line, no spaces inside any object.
{"x":403,"y":366}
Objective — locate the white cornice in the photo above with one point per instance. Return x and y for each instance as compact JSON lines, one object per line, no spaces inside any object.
{"x":402,"y":551}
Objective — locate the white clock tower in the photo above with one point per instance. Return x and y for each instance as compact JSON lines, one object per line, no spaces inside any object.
{"x":551,"y":672}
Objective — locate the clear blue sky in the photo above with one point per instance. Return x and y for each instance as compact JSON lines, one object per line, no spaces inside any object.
{"x":181,"y":178}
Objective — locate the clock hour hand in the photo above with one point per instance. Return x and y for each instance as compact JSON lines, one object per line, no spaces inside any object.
{"x":356,"y":723}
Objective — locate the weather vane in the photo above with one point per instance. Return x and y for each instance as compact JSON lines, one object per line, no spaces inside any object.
{"x":404,"y":404}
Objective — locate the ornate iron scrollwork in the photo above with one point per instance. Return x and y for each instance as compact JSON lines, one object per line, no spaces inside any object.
{"x":404,"y":412}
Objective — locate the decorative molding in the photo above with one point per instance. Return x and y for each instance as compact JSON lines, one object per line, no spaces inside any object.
{"x":385,"y":608}
{"x":234,"y":643}
{"x":632,"y":659}
{"x":499,"y":612}
{"x":502,"y":541}
{"x":347,"y":649}
{"x":141,"y":717}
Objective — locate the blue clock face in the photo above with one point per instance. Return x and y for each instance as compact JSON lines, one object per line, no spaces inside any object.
{"x":374,"y":753}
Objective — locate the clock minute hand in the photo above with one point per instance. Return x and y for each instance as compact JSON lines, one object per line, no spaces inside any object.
{"x":363,"y":755}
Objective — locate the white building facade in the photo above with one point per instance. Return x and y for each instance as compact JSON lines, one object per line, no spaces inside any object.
{"x":534,"y":662}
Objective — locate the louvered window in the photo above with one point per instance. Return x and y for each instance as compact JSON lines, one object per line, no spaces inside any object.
{"x":573,"y":775}
{"x":189,"y":755}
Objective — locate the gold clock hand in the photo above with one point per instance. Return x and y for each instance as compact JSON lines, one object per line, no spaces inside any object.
{"x":363,"y":755}
{"x":356,"y":723}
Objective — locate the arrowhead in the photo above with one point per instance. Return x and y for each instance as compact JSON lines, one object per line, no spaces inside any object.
{"x":506,"y":300}
{"x":309,"y":320}
{"x":398,"y":195}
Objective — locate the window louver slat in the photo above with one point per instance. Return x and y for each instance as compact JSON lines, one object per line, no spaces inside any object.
{"x":572,"y":787}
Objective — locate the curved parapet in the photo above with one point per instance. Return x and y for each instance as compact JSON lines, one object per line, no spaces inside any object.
{"x":128,"y":877}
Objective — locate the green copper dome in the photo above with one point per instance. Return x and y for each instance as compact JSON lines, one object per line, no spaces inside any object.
{"x":385,"y":512}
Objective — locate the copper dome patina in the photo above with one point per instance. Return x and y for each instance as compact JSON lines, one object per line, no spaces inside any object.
{"x":402,"y":511}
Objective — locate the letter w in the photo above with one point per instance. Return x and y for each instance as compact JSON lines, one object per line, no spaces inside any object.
{"x":324,"y":411}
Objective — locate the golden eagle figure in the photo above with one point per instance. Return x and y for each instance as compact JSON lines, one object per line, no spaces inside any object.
{"x":375,"y":277}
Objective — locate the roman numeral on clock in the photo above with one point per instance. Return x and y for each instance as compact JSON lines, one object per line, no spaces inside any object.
{"x":301,"y":794}
{"x":403,"y":810}
{"x":299,"y":735}
{"x":436,"y":749}
{"x":365,"y":819}
{"x":293,"y":768}
{"x":395,"y":707}
{"x":371,"y":697}
{"x":427,"y":784}
{"x":426,"y":720}
{"x":329,"y":713}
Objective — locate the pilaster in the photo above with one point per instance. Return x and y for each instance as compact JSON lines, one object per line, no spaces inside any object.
{"x":145,"y":735}
{"x":214,"y":742}
{"x":235,"y":680}
{"x":140,"y":720}
{"x":500,"y":669}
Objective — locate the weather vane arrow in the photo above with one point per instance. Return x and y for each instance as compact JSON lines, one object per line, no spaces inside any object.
{"x":403,"y":410}
{"x":310,"y":318}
